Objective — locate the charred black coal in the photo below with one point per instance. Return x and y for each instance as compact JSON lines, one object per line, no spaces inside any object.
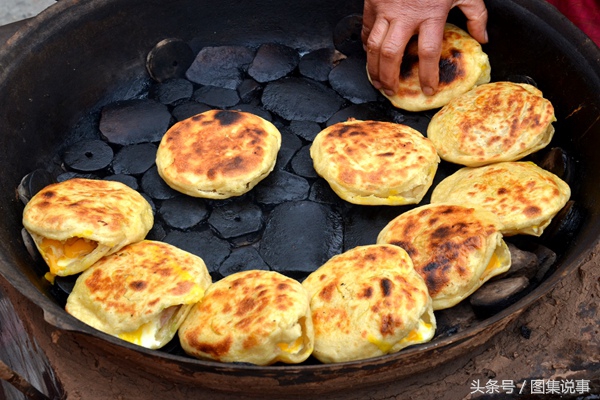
{"x":189,"y":109}
{"x":33,"y":182}
{"x":306,"y":130}
{"x":88,"y":155}
{"x":134,"y":121}
{"x":363,"y":224}
{"x":203,"y":244}
{"x":170,"y":58}
{"x":273,"y":61}
{"x":301,"y":236}
{"x":222,"y":66}
{"x":349,"y":79}
{"x":217,"y":96}
{"x":363,"y":112}
{"x":183,"y":212}
{"x":558,"y":161}
{"x":321,"y":192}
{"x":302,"y":163}
{"x":290,"y":144}
{"x":281,"y":186}
{"x":249,"y":90}
{"x":134,"y":159}
{"x":236,"y":218}
{"x":155,"y":187}
{"x":318,"y":63}
{"x":495,"y":296}
{"x":301,"y":99}
{"x":249,"y":108}
{"x":174,"y":91}
{"x":242,"y":259}
{"x":346,"y":35}
{"x":128,"y":180}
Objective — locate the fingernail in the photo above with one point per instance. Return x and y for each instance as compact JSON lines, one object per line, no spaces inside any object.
{"x":485,"y":35}
{"x":428,"y":91}
{"x":377,"y":84}
{"x":389,"y":92}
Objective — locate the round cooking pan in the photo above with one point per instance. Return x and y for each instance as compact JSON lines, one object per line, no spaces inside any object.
{"x":81,"y":54}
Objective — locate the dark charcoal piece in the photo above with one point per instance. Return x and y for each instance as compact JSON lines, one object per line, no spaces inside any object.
{"x":88,"y":155}
{"x":523,"y":263}
{"x":150,"y":201}
{"x":189,"y":109}
{"x":157,"y":233}
{"x":290,"y":144}
{"x":346,"y":35}
{"x":350,"y":80}
{"x":273,"y":61}
{"x":249,"y":90}
{"x":321,"y":192}
{"x":236,"y":218}
{"x":134,"y":159}
{"x":301,"y":236}
{"x":183,"y":212}
{"x":564,"y":226}
{"x":155,"y":187}
{"x":363,"y":112}
{"x":281,"y":186}
{"x":318,"y":63}
{"x":32,"y":248}
{"x":217,"y":96}
{"x":128,"y":180}
{"x":301,"y":99}
{"x":302,"y":163}
{"x":522,"y":79}
{"x":170,"y":58}
{"x":134,"y":121}
{"x":363,"y":224}
{"x":71,"y":175}
{"x":174,"y":90}
{"x":306,"y":130}
{"x":546,"y":259}
{"x":559,"y":163}
{"x":203,"y":244}
{"x":221,"y":66}
{"x":417,"y":121}
{"x":253,"y":110}
{"x":33,"y":182}
{"x":242,"y":259}
{"x":495,"y":296}
{"x":450,"y":321}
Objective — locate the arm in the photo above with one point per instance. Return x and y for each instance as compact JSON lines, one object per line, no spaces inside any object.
{"x":389,"y":24}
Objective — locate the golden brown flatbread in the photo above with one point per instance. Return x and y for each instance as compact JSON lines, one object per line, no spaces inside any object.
{"x":366,"y":302}
{"x":463,"y":65}
{"x":259,"y":317}
{"x":454,"y":248}
{"x":524,"y":196}
{"x":141,"y":294}
{"x":500,"y":121}
{"x":218,"y":154}
{"x":76,"y":222}
{"x":374,"y":162}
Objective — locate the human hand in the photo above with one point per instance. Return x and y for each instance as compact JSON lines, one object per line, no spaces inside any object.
{"x":388,"y":25}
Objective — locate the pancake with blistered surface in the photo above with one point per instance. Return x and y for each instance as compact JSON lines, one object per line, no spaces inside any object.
{"x":141,"y":294}
{"x":259,"y":317}
{"x":524,"y":196}
{"x":366,"y":302}
{"x":76,"y":222}
{"x":463,"y":65}
{"x":454,"y":248}
{"x":218,"y":154}
{"x":500,"y":121}
{"x":374,"y":162}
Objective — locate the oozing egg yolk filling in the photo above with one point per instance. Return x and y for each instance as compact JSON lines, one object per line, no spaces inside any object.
{"x":59,"y":253}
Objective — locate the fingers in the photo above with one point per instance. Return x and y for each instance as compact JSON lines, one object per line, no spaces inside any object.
{"x":431,"y":34}
{"x":477,"y":17}
{"x":390,"y":56}
{"x":374,"y":42}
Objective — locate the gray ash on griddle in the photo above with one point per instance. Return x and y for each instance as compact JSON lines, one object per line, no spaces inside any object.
{"x":134,"y":121}
{"x":349,"y":79}
{"x":243,"y":259}
{"x":290,"y":144}
{"x":183,"y":212}
{"x":301,"y":99}
{"x":128,"y":180}
{"x":273,"y":61}
{"x":134,"y":159}
{"x":302,"y":164}
{"x":317,"y":64}
{"x":169,"y":59}
{"x":301,"y":236}
{"x":306,"y":130}
{"x":216,"y":96}
{"x":281,"y":186}
{"x":237,"y":218}
{"x":173,"y":91}
{"x":155,"y":187}
{"x":204,"y":244}
{"x":88,"y":155}
{"x":189,"y":109}
{"x":222,"y":66}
